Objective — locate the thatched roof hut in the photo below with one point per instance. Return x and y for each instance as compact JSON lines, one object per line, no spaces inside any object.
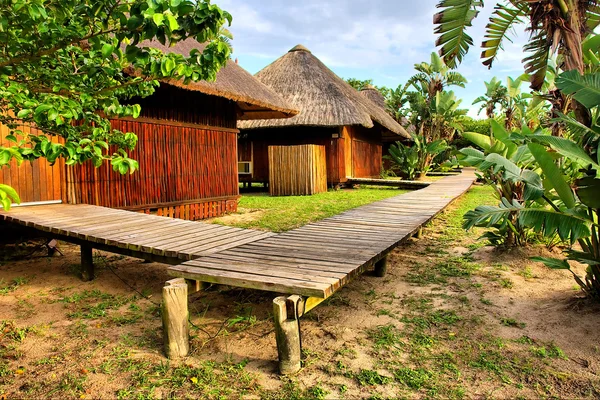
{"x":371,"y":93}
{"x":254,"y":100}
{"x":323,"y":98}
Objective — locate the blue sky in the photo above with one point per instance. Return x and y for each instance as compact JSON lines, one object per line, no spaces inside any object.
{"x":378,"y":39}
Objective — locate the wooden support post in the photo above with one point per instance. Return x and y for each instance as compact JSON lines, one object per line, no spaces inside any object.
{"x":419,"y":233}
{"x":175,"y":315}
{"x":381,"y":267}
{"x":87,"y":263}
{"x":287,"y":334}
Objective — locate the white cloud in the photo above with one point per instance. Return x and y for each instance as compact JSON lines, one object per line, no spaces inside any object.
{"x":380,"y":39}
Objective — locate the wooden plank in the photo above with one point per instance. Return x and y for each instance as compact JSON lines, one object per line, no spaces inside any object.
{"x":252,"y":281}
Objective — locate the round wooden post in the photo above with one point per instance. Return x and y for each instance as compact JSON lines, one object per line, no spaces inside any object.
{"x":175,"y":314}
{"x":287,"y":334}
{"x":381,"y":267}
{"x":87,"y":263}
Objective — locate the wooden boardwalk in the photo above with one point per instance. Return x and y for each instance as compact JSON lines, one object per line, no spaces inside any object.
{"x":134,"y":234}
{"x":317,"y":259}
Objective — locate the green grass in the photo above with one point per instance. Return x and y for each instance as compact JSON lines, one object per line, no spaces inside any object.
{"x":284,"y":213}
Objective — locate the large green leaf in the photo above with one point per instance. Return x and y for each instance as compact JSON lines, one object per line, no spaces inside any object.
{"x":8,"y":195}
{"x":504,"y":18}
{"x":452,"y":23}
{"x":549,"y":222}
{"x":553,"y":263}
{"x":545,"y":221}
{"x":567,"y":148}
{"x":553,"y":174}
{"x":584,"y":88}
{"x":478,"y":139}
{"x":588,"y":191}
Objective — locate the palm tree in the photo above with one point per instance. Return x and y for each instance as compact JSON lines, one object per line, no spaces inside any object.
{"x":445,"y":116}
{"x":435,"y":77}
{"x":555,"y":26}
{"x":495,"y":94}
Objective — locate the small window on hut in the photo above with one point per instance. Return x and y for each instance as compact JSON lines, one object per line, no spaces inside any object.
{"x":245,"y":168}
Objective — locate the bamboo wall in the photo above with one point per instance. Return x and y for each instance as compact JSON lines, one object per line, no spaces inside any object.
{"x":351,"y":151}
{"x":297,"y":170}
{"x":185,"y":172}
{"x":34,"y":181}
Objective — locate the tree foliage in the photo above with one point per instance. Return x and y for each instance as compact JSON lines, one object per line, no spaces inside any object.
{"x":67,"y":67}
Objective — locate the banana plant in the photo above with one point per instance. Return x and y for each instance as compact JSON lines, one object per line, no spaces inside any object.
{"x":495,"y":94}
{"x":415,"y":160}
{"x":503,"y":166}
{"x":556,"y":26}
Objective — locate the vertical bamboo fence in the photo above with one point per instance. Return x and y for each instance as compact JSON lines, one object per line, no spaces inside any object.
{"x":297,"y":170}
{"x":36,"y":181}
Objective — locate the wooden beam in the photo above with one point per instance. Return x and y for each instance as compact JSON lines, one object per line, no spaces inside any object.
{"x":287,"y":334}
{"x":175,"y":315}
{"x":381,"y":267}
{"x":87,"y":262}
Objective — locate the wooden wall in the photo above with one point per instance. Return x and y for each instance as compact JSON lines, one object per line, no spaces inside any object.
{"x":34,"y":181}
{"x":351,"y":151}
{"x":169,"y":103}
{"x":187,"y":152}
{"x":297,"y":170}
{"x":179,"y":165}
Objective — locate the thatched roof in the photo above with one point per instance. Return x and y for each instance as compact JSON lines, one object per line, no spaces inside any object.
{"x":323,"y":98}
{"x":255,"y":100}
{"x":371,"y":93}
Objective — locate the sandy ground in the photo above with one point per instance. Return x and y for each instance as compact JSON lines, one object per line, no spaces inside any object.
{"x":62,"y":337}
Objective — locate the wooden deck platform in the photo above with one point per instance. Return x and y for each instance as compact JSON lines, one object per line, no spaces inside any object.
{"x":150,"y":237}
{"x":317,"y":259}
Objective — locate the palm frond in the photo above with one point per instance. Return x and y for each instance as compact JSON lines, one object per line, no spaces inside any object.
{"x":542,"y":220}
{"x":451,"y":26}
{"x":501,"y":23}
{"x":536,"y":64}
{"x":456,"y":79}
{"x":584,"y":88}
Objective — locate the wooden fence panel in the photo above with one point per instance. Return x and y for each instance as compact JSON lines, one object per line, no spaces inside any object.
{"x":181,"y":166}
{"x":36,"y":181}
{"x":297,"y":170}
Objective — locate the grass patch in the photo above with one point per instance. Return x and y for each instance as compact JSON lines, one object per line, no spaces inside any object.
{"x":367,"y":377}
{"x":413,"y":378}
{"x":6,"y":288}
{"x":385,"y":337}
{"x":289,"y":212}
{"x":513,"y":323}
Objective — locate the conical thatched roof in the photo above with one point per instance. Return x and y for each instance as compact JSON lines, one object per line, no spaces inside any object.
{"x":371,"y":93}
{"x":323,"y":98}
{"x":374,"y":95}
{"x":255,"y":100}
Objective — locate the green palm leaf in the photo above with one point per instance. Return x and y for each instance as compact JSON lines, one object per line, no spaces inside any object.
{"x":452,"y":23}
{"x":553,"y":174}
{"x":584,"y":88}
{"x":545,"y":221}
{"x":501,"y":22}
{"x":567,"y":148}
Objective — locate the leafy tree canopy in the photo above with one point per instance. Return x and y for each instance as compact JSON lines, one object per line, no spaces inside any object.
{"x":66,"y":65}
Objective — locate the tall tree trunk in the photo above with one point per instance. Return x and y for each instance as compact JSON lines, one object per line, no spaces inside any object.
{"x":573,"y":37}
